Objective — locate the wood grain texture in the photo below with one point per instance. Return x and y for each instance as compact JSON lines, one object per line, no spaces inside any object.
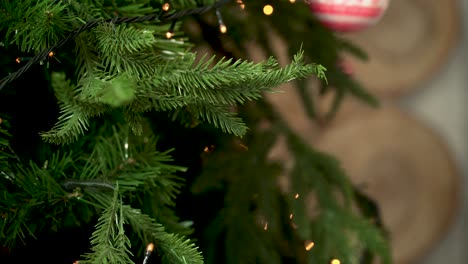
{"x":406,"y":168}
{"x":407,"y":47}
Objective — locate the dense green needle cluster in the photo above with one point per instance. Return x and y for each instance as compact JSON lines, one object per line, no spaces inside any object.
{"x":71,"y":187}
{"x":4,"y":135}
{"x":178,"y":83}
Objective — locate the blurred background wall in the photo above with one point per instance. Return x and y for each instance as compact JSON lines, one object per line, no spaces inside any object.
{"x":441,"y":102}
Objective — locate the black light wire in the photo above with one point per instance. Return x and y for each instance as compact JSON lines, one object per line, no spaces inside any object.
{"x":161,"y":18}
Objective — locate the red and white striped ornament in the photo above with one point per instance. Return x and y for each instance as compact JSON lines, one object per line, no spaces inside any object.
{"x":348,"y":15}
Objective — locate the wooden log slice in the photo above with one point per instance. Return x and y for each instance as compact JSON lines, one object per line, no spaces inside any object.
{"x":405,"y":48}
{"x":406,"y":168}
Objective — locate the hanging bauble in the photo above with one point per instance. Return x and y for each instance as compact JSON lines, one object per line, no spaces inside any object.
{"x":348,"y":15}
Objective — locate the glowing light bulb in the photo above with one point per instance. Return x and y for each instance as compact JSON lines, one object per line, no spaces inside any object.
{"x":291,"y":216}
{"x":51,"y":54}
{"x":296,"y":196}
{"x":209,"y":149}
{"x":268,"y":10}
{"x":243,"y":146}
{"x":265,"y":227}
{"x":335,"y":261}
{"x":166,"y":6}
{"x":309,"y":245}
{"x":169,"y":34}
{"x":18,"y":60}
{"x":150,"y":247}
{"x":222,"y":28}
{"x":149,"y":250}
{"x":292,"y":1}
{"x":241,"y":4}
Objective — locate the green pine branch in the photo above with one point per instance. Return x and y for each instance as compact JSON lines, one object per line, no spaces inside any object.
{"x":206,"y":89}
{"x":84,"y":10}
{"x":122,"y":66}
{"x":228,"y":82}
{"x":75,"y":113}
{"x":118,"y":45}
{"x":336,"y":229}
{"x":5,"y":136}
{"x":35,"y":25}
{"x":174,"y":249}
{"x":73,"y":122}
{"x":135,"y":164}
{"x":30,"y":190}
{"x":67,"y":184}
{"x":86,"y":55}
{"x":322,"y":46}
{"x":249,"y":228}
{"x":221,"y":117}
{"x":109,"y":242}
{"x":136,"y":9}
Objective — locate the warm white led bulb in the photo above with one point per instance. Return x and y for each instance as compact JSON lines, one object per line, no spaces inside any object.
{"x":335,"y":261}
{"x":309,"y":245}
{"x":268,"y":10}
{"x":222,"y":29}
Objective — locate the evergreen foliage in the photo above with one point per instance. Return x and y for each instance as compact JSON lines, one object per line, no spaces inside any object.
{"x":322,"y":204}
{"x":4,"y":143}
{"x":84,"y":184}
{"x":110,"y":244}
{"x":336,"y":222}
{"x":205,"y":90}
{"x":302,"y":30}
{"x":103,"y":165}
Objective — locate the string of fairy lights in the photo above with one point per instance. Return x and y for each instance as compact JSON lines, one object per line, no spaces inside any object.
{"x":308,"y":244}
{"x":162,"y":17}
{"x":268,"y":10}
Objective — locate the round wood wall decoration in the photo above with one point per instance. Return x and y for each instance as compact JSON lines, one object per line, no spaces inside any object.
{"x":406,"y":168}
{"x":413,"y":39}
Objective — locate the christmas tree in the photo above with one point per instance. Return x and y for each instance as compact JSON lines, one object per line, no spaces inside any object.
{"x":121,"y":144}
